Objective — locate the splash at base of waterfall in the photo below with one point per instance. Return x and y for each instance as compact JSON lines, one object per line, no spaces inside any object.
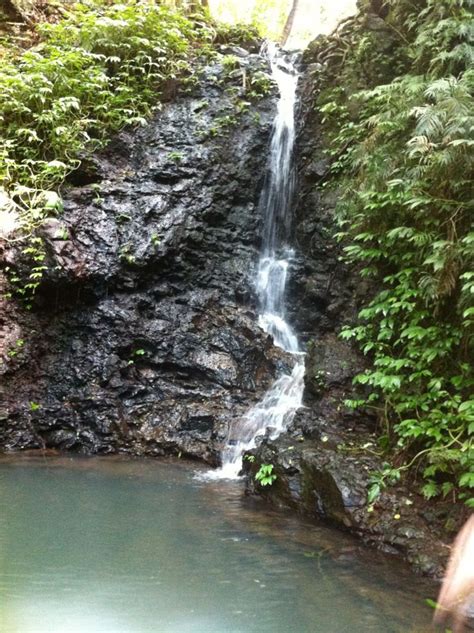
{"x":268,"y":418}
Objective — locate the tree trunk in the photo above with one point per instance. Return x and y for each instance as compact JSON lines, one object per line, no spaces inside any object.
{"x":289,"y":23}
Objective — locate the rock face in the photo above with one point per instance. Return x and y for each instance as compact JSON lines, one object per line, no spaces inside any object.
{"x":143,"y":338}
{"x":323,"y":293}
{"x":325,"y":472}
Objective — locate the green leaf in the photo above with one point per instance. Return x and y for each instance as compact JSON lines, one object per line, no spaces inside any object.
{"x":430,"y":490}
{"x":467,"y":480}
{"x":373,"y":493}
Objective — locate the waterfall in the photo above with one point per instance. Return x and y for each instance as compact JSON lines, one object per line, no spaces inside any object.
{"x":276,"y":410}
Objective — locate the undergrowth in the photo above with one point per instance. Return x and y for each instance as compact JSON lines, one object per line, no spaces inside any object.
{"x":402,"y":150}
{"x":102,"y":67}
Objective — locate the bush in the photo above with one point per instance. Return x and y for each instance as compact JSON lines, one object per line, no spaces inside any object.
{"x":403,"y":156}
{"x":99,"y":69}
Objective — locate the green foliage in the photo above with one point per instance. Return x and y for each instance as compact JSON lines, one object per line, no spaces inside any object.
{"x":19,"y":343}
{"x":379,"y":480}
{"x":402,"y":153}
{"x":99,"y":69}
{"x":176,"y":156}
{"x":221,"y":123}
{"x":261,"y":85}
{"x":265,"y":475}
{"x":135,"y":355}
{"x":230,"y":62}
{"x":96,"y":71}
{"x":241,"y":34}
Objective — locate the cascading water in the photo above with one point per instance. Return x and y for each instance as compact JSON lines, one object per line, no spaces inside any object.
{"x":273,"y":414}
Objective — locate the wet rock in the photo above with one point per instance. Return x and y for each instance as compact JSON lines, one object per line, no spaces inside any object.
{"x":331,"y":364}
{"x":143,"y":337}
{"x":235,"y":50}
{"x":329,"y":477}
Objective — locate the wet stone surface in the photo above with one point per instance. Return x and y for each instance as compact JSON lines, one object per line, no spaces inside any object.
{"x":143,"y":337}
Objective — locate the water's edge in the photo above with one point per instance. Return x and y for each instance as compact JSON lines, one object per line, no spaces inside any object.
{"x":144,"y":547}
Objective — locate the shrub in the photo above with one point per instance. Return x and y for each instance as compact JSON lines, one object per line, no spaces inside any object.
{"x":403,"y":156}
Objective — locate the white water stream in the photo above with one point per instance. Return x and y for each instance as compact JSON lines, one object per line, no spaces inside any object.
{"x":275,"y":411}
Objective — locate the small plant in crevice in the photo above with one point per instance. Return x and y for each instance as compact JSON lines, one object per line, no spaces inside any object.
{"x":221,"y":124}
{"x":230,"y":63}
{"x":387,"y":476}
{"x":122,"y":218}
{"x":17,"y":347}
{"x":260,"y":85}
{"x":265,"y":475}
{"x":136,"y":354}
{"x":175,"y":156}
{"x":126,"y":255}
{"x":242,"y":107}
{"x":96,"y":188}
{"x":319,"y":381}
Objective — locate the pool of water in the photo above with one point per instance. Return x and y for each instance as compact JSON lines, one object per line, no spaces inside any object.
{"x":95,"y":545}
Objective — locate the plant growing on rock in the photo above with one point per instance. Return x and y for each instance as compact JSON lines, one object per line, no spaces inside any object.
{"x":230,"y":62}
{"x":265,"y":475}
{"x":260,"y":85}
{"x":175,"y":156}
{"x":100,"y":68}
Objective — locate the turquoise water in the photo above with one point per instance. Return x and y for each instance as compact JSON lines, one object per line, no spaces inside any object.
{"x":95,"y":545}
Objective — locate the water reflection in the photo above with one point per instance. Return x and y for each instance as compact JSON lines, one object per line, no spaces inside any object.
{"x":128,"y":546}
